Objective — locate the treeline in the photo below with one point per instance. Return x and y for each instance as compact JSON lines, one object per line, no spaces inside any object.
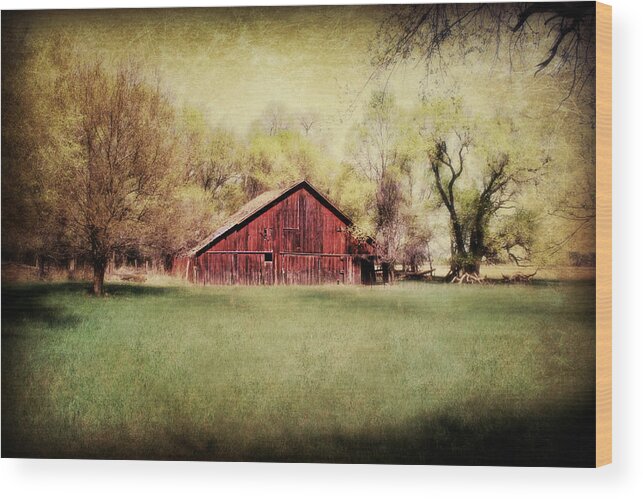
{"x":99,"y":165}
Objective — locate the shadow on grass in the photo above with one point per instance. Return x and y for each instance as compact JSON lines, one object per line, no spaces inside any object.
{"x":25,"y":305}
{"x":562,"y":436}
{"x":136,"y":290}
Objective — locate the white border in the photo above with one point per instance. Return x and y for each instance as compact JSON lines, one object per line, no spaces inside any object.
{"x":114,"y":479}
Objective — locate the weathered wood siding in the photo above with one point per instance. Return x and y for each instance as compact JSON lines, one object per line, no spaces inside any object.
{"x":296,"y":240}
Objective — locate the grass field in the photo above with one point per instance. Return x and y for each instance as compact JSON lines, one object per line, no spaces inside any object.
{"x":415,"y":373}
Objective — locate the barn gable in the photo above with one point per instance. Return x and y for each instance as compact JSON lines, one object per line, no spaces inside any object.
{"x":289,"y":236}
{"x":259,"y":205}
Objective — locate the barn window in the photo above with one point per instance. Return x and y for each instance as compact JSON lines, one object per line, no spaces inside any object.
{"x":267,"y":234}
{"x":267,"y":257}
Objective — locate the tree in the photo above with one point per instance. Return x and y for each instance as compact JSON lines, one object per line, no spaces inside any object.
{"x":31,"y":139}
{"x":308,"y":120}
{"x":117,"y":169}
{"x":182,"y":220}
{"x":275,"y":161}
{"x":275,"y":119}
{"x":574,"y":204}
{"x":563,"y":34}
{"x":514,"y":238}
{"x":556,"y":39}
{"x":214,"y":160}
{"x":475,"y":197}
{"x":381,"y":158}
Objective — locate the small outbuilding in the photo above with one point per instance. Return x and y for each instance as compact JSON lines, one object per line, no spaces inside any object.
{"x":288,"y":236}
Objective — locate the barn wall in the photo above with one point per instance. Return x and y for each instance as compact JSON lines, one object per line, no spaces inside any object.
{"x":306,"y":241}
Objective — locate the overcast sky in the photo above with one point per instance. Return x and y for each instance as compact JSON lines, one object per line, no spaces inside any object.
{"x":233,"y":63}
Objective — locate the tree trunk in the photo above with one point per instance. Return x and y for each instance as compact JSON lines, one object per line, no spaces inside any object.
{"x":71,"y":269}
{"x":454,"y":269}
{"x":458,"y":251}
{"x":473,"y":268}
{"x":386,"y":272}
{"x":40,"y":261}
{"x":475,"y":253}
{"x":465,"y":260}
{"x":99,"y":278}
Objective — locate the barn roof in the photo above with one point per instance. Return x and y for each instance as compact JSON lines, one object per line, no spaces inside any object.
{"x":260,"y":204}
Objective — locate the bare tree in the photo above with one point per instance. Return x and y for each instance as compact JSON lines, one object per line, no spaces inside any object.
{"x":564,"y":32}
{"x":577,"y":206}
{"x":377,"y":138}
{"x":388,"y":200}
{"x":275,"y":119}
{"x":308,"y":120}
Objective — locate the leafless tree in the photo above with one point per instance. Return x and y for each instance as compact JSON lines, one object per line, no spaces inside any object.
{"x":563,"y":31}
{"x":378,"y":135}
{"x":388,"y":226}
{"x":308,"y":120}
{"x":380,"y":159}
{"x":275,"y":119}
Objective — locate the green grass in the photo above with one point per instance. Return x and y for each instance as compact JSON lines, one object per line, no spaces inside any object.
{"x":417,"y":373}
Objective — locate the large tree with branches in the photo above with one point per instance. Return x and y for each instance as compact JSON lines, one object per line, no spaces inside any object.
{"x":559,"y":35}
{"x":548,"y":38}
{"x":114,"y":177}
{"x":479,"y":182}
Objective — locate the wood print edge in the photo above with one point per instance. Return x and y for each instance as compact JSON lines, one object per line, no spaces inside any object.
{"x":603,"y":234}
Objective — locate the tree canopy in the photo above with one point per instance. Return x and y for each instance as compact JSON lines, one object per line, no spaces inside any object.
{"x":466,"y":164}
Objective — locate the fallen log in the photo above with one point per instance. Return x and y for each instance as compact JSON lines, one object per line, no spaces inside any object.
{"x":417,"y":276}
{"x":519,"y":277}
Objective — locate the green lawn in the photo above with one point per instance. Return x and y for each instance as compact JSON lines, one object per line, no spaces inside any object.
{"x":416,"y":373}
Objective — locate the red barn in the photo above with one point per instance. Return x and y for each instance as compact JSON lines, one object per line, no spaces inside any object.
{"x":289,"y":236}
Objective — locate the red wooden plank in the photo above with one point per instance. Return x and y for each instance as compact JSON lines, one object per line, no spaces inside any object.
{"x":302,"y":235}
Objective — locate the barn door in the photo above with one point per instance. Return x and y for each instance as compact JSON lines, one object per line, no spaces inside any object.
{"x":332,"y":270}
{"x":291,"y":230}
{"x":253,"y":268}
{"x":268,"y":269}
{"x":314,"y":269}
{"x":367,"y":271}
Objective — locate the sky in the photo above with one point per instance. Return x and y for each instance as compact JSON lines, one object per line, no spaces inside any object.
{"x":232,"y":64}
